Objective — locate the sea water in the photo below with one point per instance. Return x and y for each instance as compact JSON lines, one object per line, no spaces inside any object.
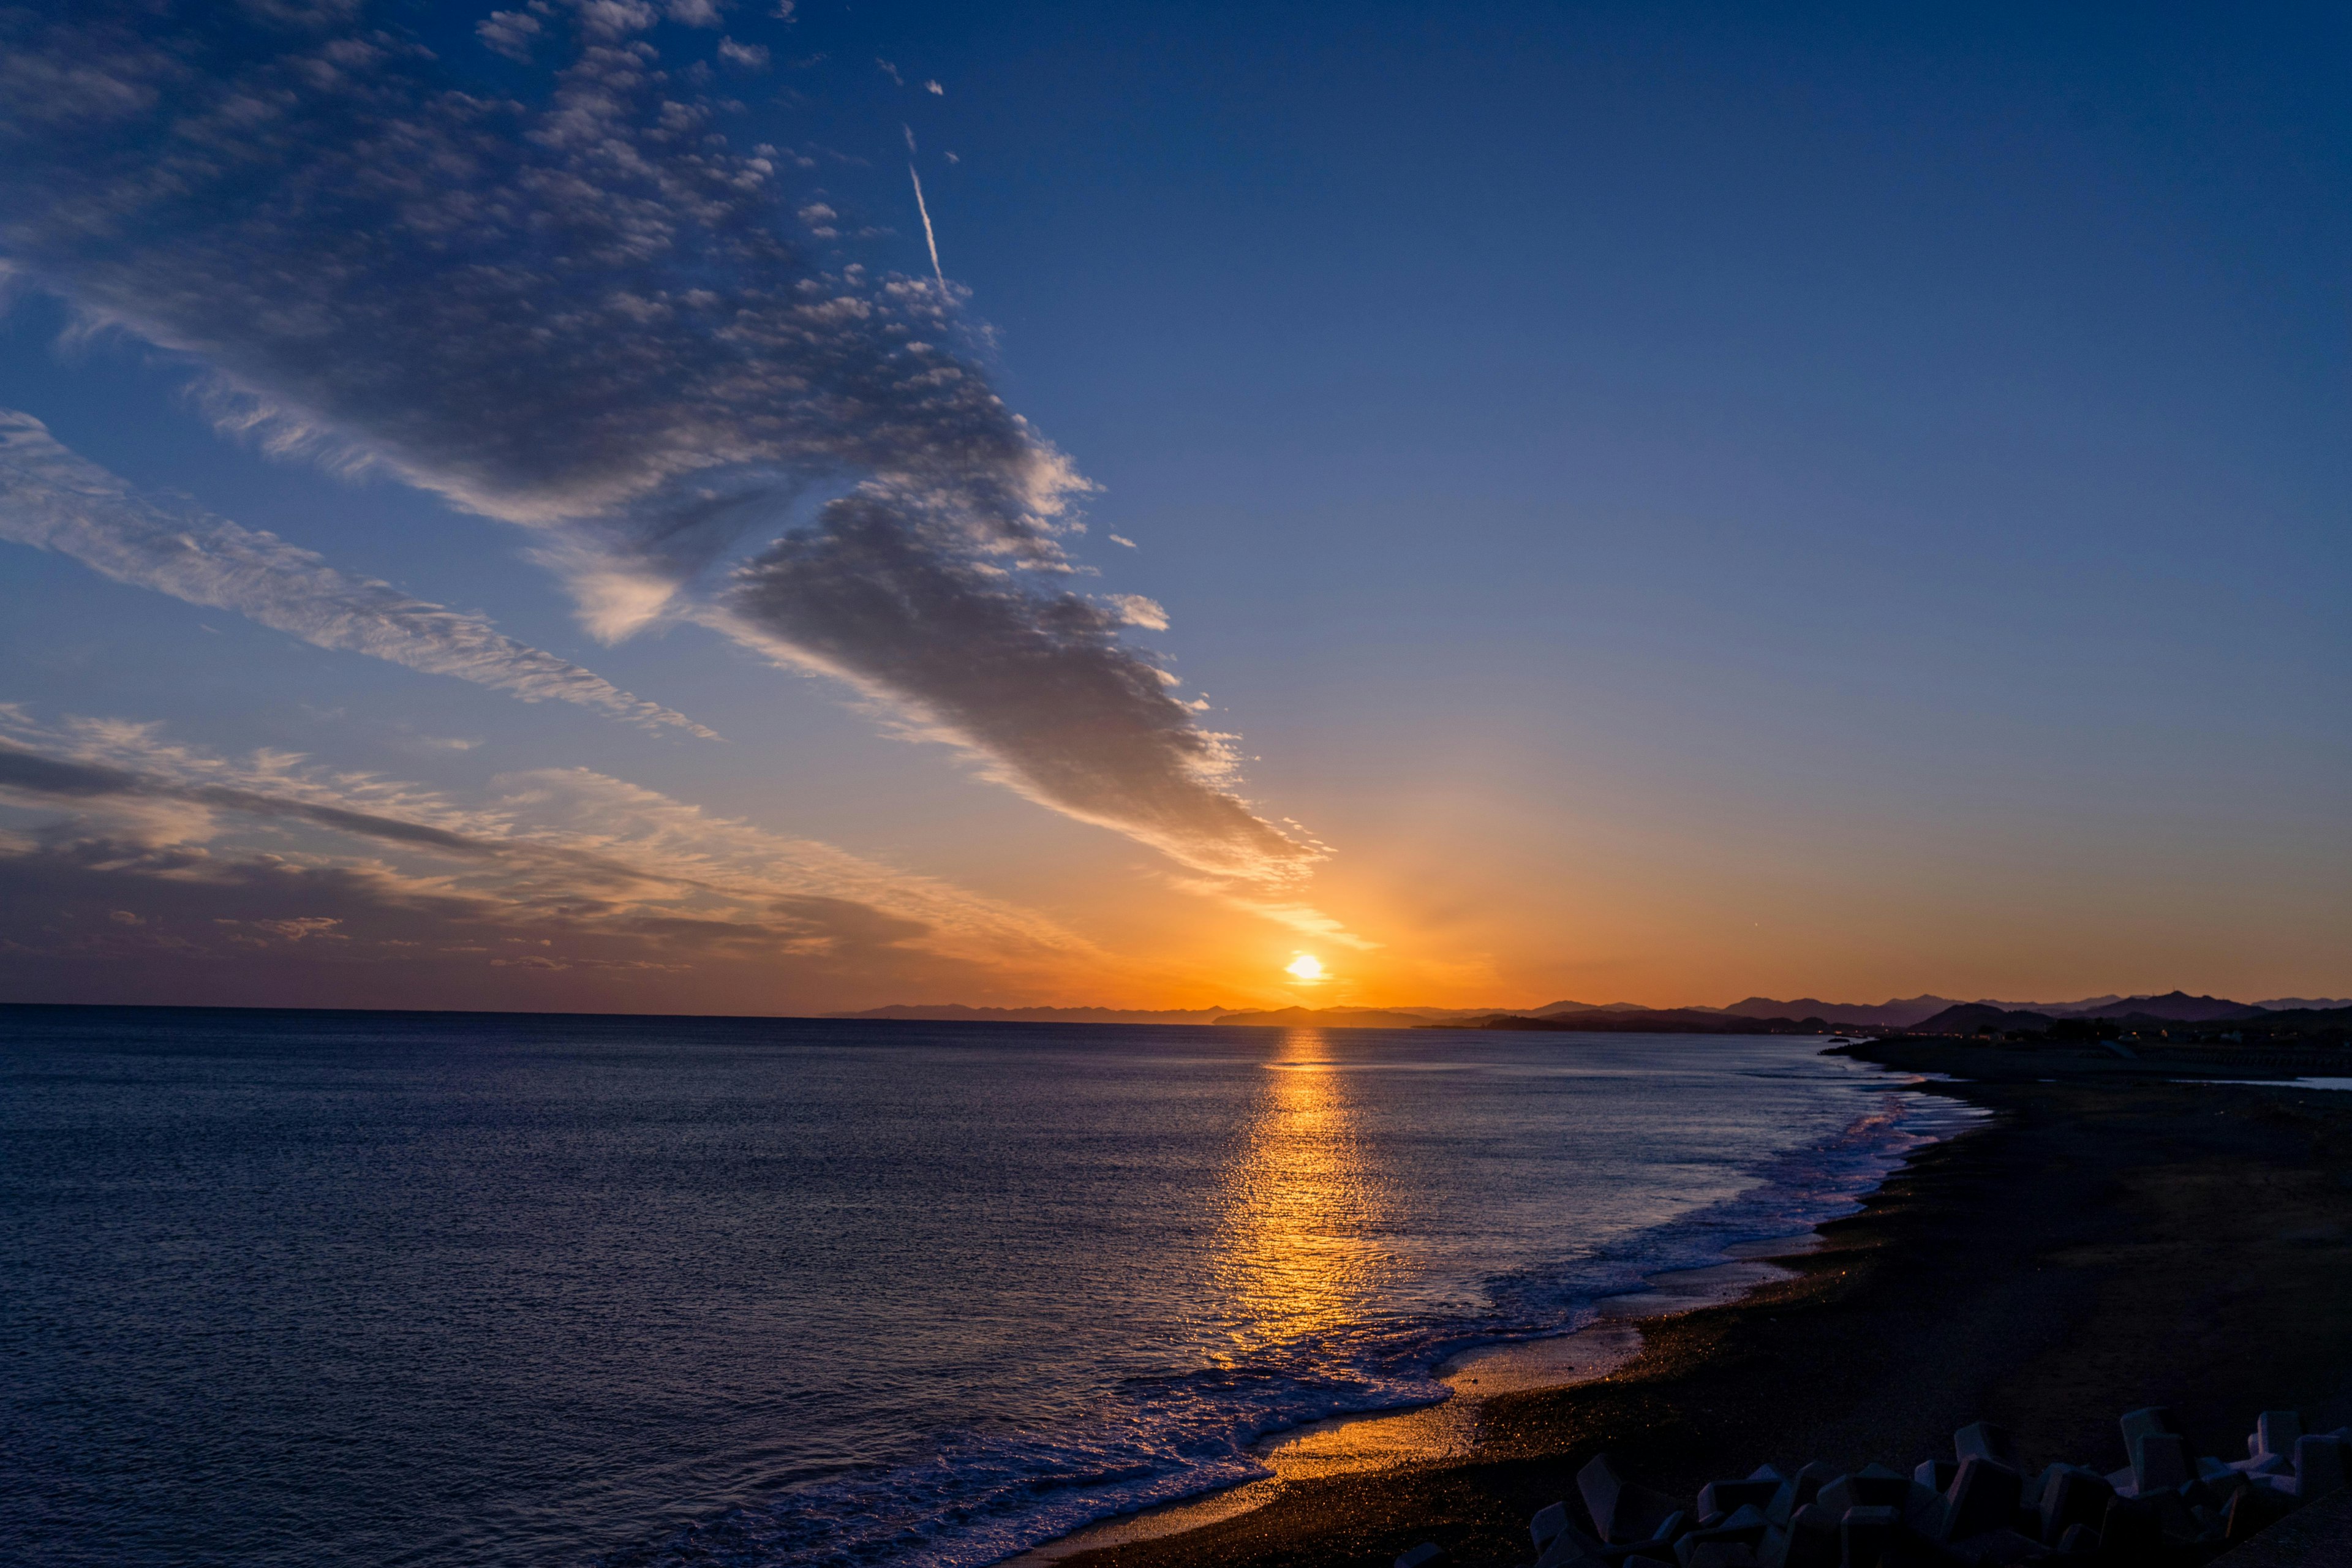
{"x":474,"y":1290}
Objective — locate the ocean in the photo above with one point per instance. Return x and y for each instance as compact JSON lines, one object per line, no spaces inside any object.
{"x":607,"y":1292}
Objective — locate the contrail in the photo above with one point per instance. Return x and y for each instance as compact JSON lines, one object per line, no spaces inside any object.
{"x":518,"y":392}
{"x":930,"y":238}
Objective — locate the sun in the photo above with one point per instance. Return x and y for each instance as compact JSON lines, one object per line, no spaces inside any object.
{"x":1305,"y":966}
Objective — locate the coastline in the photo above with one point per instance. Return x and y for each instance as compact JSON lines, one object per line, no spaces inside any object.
{"x":2105,"y":1240}
{"x":1447,"y":1431}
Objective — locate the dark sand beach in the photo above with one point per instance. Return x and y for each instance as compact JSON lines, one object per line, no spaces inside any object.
{"x":2111,"y":1239}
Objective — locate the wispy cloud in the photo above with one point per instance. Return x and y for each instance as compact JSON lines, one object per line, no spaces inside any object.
{"x":569,"y":849}
{"x":750,"y":56}
{"x":509,"y":33}
{"x":580,"y":312}
{"x":1304,"y":918}
{"x":55,"y":500}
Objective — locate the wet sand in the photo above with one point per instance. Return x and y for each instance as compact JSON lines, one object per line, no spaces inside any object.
{"x":2112,"y":1240}
{"x":1449,"y":1431}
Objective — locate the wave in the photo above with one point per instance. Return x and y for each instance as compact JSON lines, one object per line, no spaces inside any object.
{"x":984,"y":1495}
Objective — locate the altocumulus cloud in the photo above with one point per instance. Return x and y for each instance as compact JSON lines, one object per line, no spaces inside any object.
{"x":117,"y":841}
{"x":54,"y":499}
{"x":582,"y":310}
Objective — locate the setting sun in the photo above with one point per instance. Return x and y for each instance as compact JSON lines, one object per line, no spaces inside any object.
{"x":1305,"y":966}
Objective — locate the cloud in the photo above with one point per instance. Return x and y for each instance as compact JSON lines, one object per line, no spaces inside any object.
{"x":260,"y":929}
{"x":608,"y":19}
{"x":1305,"y":919}
{"x":751,"y":57}
{"x":579,"y":310}
{"x":1121,"y":539}
{"x":509,"y":33}
{"x":934,"y":88}
{"x":608,"y":866}
{"x":1041,"y":686}
{"x":52,"y":499}
{"x":1135,"y":610}
{"x":300,"y":927}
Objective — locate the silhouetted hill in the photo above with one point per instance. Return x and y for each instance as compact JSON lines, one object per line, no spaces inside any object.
{"x":1928,"y":1014}
{"x":1899,"y":1013}
{"x":1967,"y":1018}
{"x":2173,"y":1007}
{"x":2056,"y":1009}
{"x":1646,"y":1021}
{"x":2252,"y":1023}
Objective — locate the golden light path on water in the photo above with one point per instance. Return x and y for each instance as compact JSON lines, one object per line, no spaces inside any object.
{"x":1303,"y":1219}
{"x":1315,"y":1231}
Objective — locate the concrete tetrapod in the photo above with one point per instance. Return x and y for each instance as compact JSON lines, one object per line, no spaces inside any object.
{"x":2171,"y":1508}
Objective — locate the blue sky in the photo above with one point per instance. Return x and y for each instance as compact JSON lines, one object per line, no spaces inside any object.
{"x":1674,"y":503}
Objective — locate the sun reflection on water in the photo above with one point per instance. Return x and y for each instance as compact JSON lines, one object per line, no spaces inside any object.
{"x":1303,"y":1210}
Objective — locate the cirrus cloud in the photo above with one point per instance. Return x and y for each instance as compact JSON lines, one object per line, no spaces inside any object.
{"x":52,"y":499}
{"x":580,"y":312}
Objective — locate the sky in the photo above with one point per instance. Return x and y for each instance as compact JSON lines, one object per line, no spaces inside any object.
{"x":756,"y":508}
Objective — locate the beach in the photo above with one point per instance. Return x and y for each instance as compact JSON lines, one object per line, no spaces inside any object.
{"x":2108,"y":1239}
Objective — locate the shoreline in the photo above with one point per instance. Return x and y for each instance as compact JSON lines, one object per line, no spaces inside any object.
{"x":1374,"y":1441}
{"x":2108,"y":1240}
{"x":1448,"y":1430}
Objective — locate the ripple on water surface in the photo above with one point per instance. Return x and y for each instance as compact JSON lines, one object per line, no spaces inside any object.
{"x":476,"y":1290}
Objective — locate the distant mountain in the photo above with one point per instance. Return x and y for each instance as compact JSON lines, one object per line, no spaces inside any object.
{"x":1915,"y":1013}
{"x":2174,"y":1007}
{"x":1291,"y":1017}
{"x":2057,"y":1009}
{"x":1645,"y":1021}
{"x":2139,"y":1013}
{"x":1328,"y":1018}
{"x":1434,"y":1013}
{"x":1928,"y":1014}
{"x":1895,"y":1014}
{"x":957,"y":1013}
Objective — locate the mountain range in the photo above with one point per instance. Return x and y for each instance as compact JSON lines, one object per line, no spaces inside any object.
{"x":1899,"y":1013}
